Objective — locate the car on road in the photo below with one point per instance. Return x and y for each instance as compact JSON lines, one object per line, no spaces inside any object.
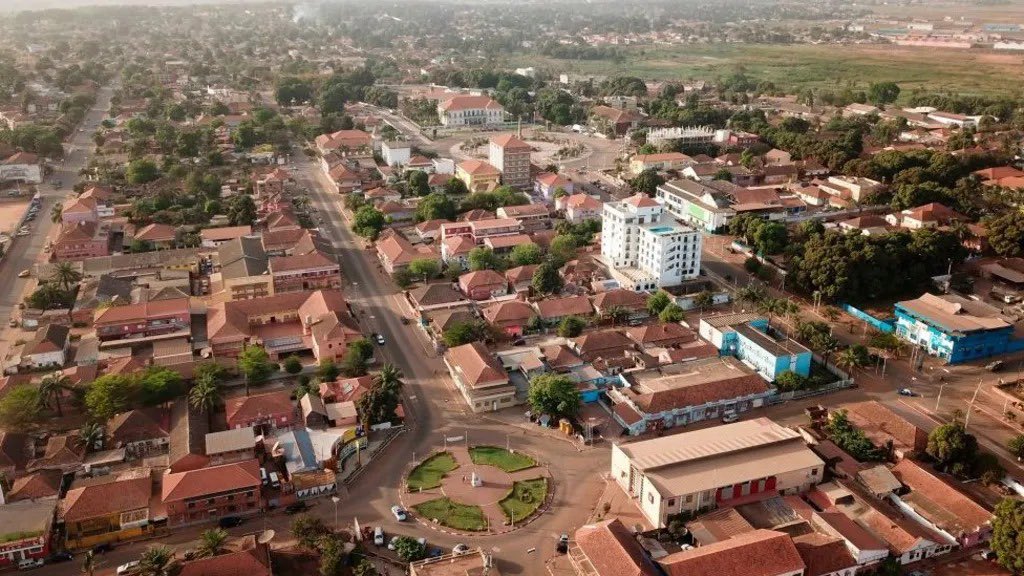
{"x":400,"y":513}
{"x":296,"y":507}
{"x":60,"y":557}
{"x":730,"y":417}
{"x":988,"y":554}
{"x":229,"y":522}
{"x":460,"y":548}
{"x":906,"y":392}
{"x":994,"y":366}
{"x":563,"y":544}
{"x":24,"y":274}
{"x":379,"y":338}
{"x":133,"y":567}
{"x":378,"y":536}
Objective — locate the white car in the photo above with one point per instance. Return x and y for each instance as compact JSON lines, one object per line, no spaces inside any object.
{"x":730,"y":417}
{"x":378,"y":536}
{"x":392,"y":543}
{"x":460,"y":549}
{"x":400,"y":513}
{"x":380,"y":339}
{"x":128,"y":568}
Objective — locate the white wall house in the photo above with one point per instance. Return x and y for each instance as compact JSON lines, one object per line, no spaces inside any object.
{"x":396,"y":153}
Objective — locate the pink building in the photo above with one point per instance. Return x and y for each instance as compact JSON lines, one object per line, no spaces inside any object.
{"x":83,"y":240}
{"x":210,"y":493}
{"x":143,"y":320}
{"x":270,"y":410}
{"x":313,"y":271}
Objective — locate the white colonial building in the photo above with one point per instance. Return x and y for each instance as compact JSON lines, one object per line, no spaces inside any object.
{"x":467,"y":110}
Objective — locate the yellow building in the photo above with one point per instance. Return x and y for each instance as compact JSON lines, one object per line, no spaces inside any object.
{"x":479,"y":176}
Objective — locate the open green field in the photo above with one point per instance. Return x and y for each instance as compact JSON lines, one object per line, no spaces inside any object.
{"x":430,"y":472}
{"x":855,"y":66}
{"x":524,"y":499}
{"x":452,"y":514}
{"x":500,"y":458}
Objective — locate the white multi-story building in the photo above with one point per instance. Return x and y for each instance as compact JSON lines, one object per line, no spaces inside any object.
{"x":644,"y":248}
{"x":396,"y":153}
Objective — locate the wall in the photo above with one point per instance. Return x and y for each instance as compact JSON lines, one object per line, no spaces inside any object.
{"x":880,"y":325}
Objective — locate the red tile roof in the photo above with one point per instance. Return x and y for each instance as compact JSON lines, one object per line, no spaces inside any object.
{"x":757,"y":553}
{"x":315,"y":259}
{"x":476,"y":364}
{"x":509,"y":311}
{"x":823,"y":555}
{"x":478,"y":168}
{"x":246,"y":408}
{"x":142,"y":311}
{"x":613,"y":550}
{"x":215,"y":479}
{"x":940,"y":503}
{"x":641,"y":201}
{"x":100,"y":500}
{"x":470,"y":103}
{"x":156,"y":233}
{"x":510,"y":142}
{"x":251,"y":562}
{"x":568,"y":306}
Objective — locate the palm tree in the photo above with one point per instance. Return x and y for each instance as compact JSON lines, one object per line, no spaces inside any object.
{"x":751,"y":294}
{"x":389,"y":379}
{"x":90,"y":434}
{"x":826,"y":344}
{"x":205,"y":393}
{"x":156,"y":561}
{"x":50,"y":389}
{"x":211,"y":542}
{"x":56,"y":213}
{"x":774,"y":306}
{"x":849,"y":358}
{"x":616,"y":314}
{"x":64,"y":274}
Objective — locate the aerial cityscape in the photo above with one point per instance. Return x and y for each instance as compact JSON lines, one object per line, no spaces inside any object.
{"x":481,"y":287}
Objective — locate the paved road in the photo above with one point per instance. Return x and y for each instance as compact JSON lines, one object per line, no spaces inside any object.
{"x":26,"y":250}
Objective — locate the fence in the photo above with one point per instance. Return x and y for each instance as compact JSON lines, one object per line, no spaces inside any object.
{"x":880,"y":325}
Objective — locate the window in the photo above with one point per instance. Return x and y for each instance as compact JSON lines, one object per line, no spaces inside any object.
{"x":650,"y":497}
{"x":689,"y":498}
{"x":671,"y":501}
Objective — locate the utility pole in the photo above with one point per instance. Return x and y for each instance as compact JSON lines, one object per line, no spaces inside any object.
{"x":970,"y":408}
{"x":939,"y":397}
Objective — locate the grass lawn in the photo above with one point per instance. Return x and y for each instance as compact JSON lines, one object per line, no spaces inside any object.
{"x":430,"y":472}
{"x":500,"y":458}
{"x":524,"y":499}
{"x":453,"y":515}
{"x":810,"y":66}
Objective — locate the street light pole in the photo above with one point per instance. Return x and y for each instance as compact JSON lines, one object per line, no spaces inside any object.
{"x":970,"y":408}
{"x":335,"y":499}
{"x":939,"y":397}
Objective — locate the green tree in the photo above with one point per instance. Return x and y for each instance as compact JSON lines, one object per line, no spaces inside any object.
{"x":156,"y":561}
{"x":369,"y":222}
{"x":157,"y":385}
{"x":419,"y":182}
{"x":205,"y":393}
{"x":883,"y":92}
{"x":109,"y":395}
{"x":547,"y":279}
{"x":657,"y":302}
{"x":409,"y":549}
{"x":327,"y":371}
{"x":554,"y":394}
{"x":1008,"y":534}
{"x":704,"y":299}
{"x":242,"y":210}
{"x":292,"y":364}
{"x":425,"y":268}
{"x":482,"y":258}
{"x":647,"y":182}
{"x":364,"y":568}
{"x":212,"y":542}
{"x":308,"y":531}
{"x":20,"y":408}
{"x":455,"y":187}
{"x":1006,"y":233}
{"x":436,"y":206}
{"x":51,"y":388}
{"x":380,"y":402}
{"x":952,"y":447}
{"x":616,"y":314}
{"x":332,"y":557}
{"x":357,"y":355}
{"x":571,"y":326}
{"x":1016,"y":446}
{"x":525,"y":255}
{"x":464,"y":333}
{"x":141,"y":171}
{"x":254,"y":364}
{"x":672,"y":313}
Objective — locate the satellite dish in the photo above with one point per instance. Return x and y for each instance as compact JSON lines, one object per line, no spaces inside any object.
{"x":266,"y":537}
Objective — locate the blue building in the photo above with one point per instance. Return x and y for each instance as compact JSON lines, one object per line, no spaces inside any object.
{"x":745,"y":337}
{"x":954,"y":328}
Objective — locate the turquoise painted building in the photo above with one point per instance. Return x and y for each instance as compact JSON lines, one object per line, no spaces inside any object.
{"x":955,"y":328}
{"x":744,"y":336}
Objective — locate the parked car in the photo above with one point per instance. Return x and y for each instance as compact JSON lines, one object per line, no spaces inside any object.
{"x":296,"y":507}
{"x":127,"y":568}
{"x":988,"y":554}
{"x":563,"y":544}
{"x":460,"y":549}
{"x":730,"y":417}
{"x":60,"y":557}
{"x":378,"y":536}
{"x":994,"y":366}
{"x":24,"y":273}
{"x":379,"y":338}
{"x":906,"y":392}
{"x":400,"y":513}
{"x":31,"y":563}
{"x":229,"y":522}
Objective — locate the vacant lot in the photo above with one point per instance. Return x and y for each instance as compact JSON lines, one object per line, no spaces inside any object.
{"x":500,"y":458}
{"x":524,"y":499}
{"x":816,"y":66}
{"x":430,"y":472}
{"x":452,"y":514}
